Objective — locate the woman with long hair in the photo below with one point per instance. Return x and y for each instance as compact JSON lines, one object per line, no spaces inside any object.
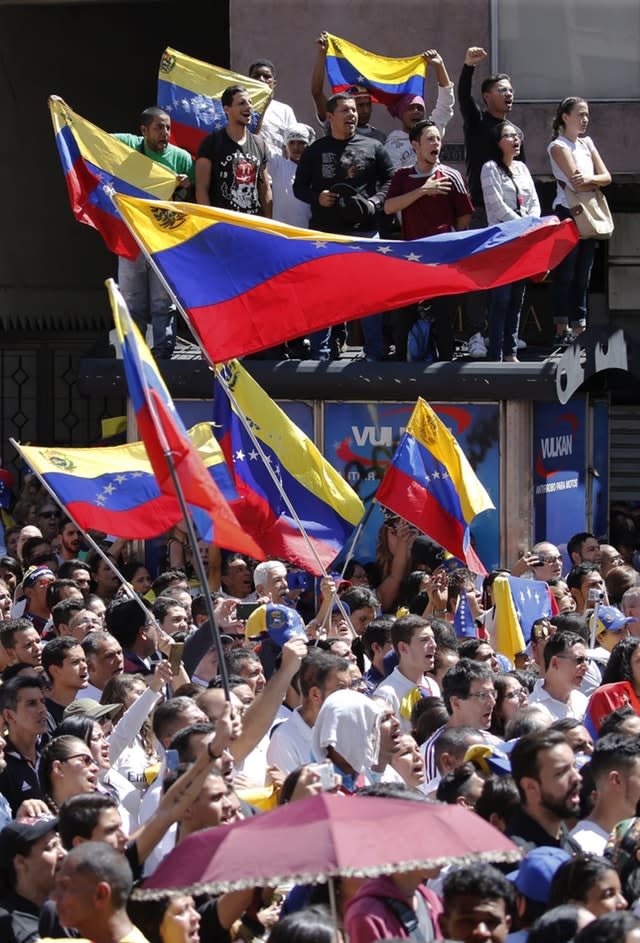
{"x":577,"y":166}
{"x":67,"y":768}
{"x":510,"y":696}
{"x":509,"y":193}
{"x":588,"y":881}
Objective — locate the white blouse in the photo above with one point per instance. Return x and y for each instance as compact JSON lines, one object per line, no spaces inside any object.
{"x":581,"y":152}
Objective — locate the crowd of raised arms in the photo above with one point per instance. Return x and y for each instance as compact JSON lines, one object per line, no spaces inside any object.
{"x":118,"y":741}
{"x":347,"y":177}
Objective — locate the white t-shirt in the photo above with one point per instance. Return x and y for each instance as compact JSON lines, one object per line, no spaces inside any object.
{"x":580,"y":150}
{"x":591,"y":838}
{"x":277,"y":118}
{"x":290,"y":744}
{"x":576,"y":706}
{"x":286,"y":207}
{"x":394,"y":688}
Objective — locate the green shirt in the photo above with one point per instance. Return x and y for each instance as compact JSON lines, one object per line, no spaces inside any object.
{"x":175,"y":158}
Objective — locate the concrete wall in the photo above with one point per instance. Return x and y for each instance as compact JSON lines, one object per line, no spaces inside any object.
{"x":284,"y":31}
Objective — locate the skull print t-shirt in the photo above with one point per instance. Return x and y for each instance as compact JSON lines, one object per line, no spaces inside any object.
{"x":236,"y":171}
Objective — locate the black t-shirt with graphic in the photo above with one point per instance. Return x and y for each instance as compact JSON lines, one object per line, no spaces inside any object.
{"x":360,"y":164}
{"x":236,"y":171}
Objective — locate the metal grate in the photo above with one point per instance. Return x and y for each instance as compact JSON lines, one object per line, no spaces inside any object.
{"x":624,"y":445}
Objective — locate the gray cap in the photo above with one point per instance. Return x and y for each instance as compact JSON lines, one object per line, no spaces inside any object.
{"x":91,"y":708}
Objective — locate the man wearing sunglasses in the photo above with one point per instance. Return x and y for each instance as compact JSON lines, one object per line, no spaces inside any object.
{"x":565,"y":665}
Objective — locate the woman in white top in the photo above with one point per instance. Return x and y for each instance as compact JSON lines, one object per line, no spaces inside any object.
{"x":576,"y":164}
{"x":509,"y":192}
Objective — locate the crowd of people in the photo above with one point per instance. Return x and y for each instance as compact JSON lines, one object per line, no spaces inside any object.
{"x":349,"y":178}
{"x":119,"y":742}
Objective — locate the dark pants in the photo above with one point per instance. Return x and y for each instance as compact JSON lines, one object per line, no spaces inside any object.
{"x":571,"y":281}
{"x":442,"y":313}
{"x":475,"y":304}
{"x":504,"y":320}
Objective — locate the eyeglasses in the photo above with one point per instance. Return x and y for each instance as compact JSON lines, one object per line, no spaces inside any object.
{"x":549,"y":559}
{"x":86,"y":759}
{"x":49,"y":514}
{"x":512,"y":695}
{"x":514,"y":136}
{"x":576,"y":659}
{"x":484,"y":695}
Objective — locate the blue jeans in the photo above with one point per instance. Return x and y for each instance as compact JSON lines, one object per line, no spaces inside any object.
{"x":504,"y":320}
{"x":571,"y":281}
{"x":148,"y":301}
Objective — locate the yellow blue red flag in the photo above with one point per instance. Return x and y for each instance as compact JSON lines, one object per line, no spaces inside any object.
{"x":386,"y":79}
{"x":327,"y":506}
{"x":190,"y":91}
{"x":248,"y":283}
{"x":92,"y":160}
{"x":163,"y":432}
{"x":431,"y":484}
{"x":113,"y":489}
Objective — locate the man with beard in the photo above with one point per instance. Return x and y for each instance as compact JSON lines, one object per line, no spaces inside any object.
{"x":70,"y":540}
{"x":615,"y":770}
{"x":544,"y":770}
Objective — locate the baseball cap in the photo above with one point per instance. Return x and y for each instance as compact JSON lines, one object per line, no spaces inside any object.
{"x":299,"y":132}
{"x":280,"y":623}
{"x":345,"y":606}
{"x":91,"y":708}
{"x":18,"y":838}
{"x":535,"y":874}
{"x":608,"y":619}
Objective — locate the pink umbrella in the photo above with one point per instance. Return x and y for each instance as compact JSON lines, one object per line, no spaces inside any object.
{"x":328,"y":836}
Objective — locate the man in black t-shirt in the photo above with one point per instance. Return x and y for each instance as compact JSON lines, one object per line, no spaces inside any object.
{"x":231,"y":169}
{"x":345,"y":177}
{"x":497,"y":99}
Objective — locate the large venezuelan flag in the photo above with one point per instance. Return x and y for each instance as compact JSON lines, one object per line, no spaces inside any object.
{"x":190,"y":91}
{"x":385,"y":78}
{"x":162,"y":431}
{"x":114,"y":489}
{"x":91,"y":159}
{"x":327,"y":506}
{"x":431,"y":484}
{"x":248,"y":283}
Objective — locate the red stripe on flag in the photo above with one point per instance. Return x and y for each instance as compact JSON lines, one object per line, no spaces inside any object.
{"x":336,"y":288}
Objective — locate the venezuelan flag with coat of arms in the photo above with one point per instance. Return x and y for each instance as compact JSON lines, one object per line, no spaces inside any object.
{"x":113,"y":488}
{"x":93,"y":160}
{"x":247,"y":283}
{"x":190,"y":91}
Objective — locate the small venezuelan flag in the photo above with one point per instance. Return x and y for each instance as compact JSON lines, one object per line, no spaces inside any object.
{"x":387,"y":79}
{"x":431,"y":484}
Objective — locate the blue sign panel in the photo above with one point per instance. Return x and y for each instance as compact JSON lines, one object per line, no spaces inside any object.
{"x":559,"y":450}
{"x":360,"y":439}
